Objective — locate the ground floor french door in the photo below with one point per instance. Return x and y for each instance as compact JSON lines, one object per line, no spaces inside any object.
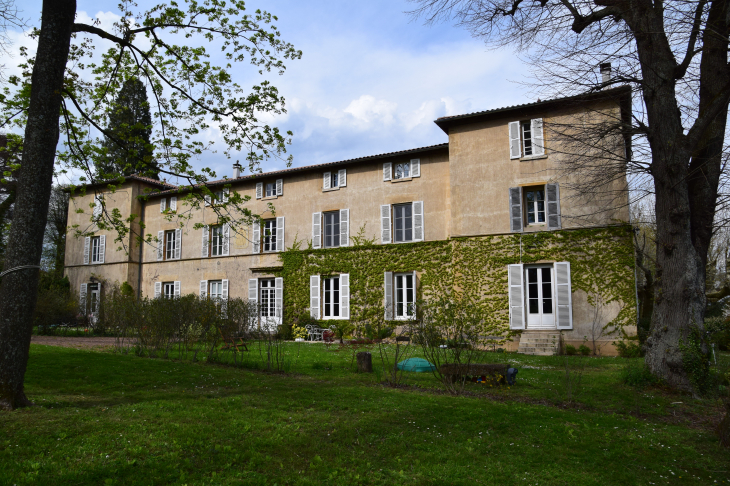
{"x":540,"y":297}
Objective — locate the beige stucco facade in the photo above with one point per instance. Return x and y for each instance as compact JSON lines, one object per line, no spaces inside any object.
{"x":463,"y":185}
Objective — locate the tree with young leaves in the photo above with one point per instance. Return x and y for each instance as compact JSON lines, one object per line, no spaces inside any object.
{"x":190,"y":94}
{"x":130,"y":122}
{"x":674,"y":55}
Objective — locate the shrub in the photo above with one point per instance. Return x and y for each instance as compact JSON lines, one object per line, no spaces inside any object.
{"x":299,"y":332}
{"x":584,"y":350}
{"x":570,"y":350}
{"x":629,"y":349}
{"x":638,"y":375}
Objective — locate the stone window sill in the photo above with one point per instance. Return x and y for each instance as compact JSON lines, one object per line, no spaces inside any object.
{"x":403,"y":179}
{"x":533,"y":157}
{"x":331,"y":189}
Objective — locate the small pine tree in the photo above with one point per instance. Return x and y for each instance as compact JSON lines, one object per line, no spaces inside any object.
{"x":129,"y":151}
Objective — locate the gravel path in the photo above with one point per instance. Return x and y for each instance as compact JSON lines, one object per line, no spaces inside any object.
{"x":74,"y":342}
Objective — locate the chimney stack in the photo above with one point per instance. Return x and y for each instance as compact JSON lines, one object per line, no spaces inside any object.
{"x":605,"y":72}
{"x":236,"y":170}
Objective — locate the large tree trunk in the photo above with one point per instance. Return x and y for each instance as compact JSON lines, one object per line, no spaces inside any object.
{"x":18,"y":290}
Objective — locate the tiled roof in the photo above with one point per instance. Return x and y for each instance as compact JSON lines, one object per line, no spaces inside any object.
{"x":446,"y":121}
{"x":306,"y":168}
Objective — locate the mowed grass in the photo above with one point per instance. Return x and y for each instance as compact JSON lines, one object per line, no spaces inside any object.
{"x":106,"y":418}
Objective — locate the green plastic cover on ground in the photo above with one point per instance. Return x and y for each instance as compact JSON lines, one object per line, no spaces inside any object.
{"x":419,"y":365}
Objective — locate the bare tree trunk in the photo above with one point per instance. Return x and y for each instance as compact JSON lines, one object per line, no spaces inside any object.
{"x":18,"y":290}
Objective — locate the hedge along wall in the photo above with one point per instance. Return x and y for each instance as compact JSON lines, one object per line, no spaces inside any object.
{"x":473,"y":269}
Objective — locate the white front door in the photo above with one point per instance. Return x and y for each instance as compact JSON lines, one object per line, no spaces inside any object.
{"x":540,"y":297}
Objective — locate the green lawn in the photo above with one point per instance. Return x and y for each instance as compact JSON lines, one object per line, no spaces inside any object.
{"x":107,"y":418}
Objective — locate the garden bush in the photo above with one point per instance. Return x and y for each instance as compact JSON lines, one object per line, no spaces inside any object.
{"x":584,"y":350}
{"x":629,"y":349}
{"x":638,"y":375}
{"x":570,"y":350}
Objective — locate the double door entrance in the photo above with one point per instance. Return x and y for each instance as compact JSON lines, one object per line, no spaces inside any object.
{"x":540,"y":297}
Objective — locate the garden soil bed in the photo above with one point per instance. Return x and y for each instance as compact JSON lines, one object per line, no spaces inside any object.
{"x":74,"y":342}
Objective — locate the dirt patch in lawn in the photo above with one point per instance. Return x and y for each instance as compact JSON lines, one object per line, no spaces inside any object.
{"x":98,"y":343}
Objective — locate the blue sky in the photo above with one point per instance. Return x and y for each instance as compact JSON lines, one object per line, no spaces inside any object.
{"x":371,"y":80}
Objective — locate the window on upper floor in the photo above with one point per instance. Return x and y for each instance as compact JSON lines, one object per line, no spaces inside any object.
{"x":168,"y":289}
{"x":170,"y":245}
{"x":402,"y":223}
{"x":331,"y":229}
{"x":216,"y":240}
{"x":268,"y":236}
{"x":334,"y":180}
{"x":401,"y":171}
{"x":96,"y":249}
{"x":526,"y":138}
{"x":270,"y":189}
{"x":168,"y":203}
{"x":537,"y":205}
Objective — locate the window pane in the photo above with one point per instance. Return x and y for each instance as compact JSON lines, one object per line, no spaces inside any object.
{"x":334,"y":181}
{"x":533,"y":306}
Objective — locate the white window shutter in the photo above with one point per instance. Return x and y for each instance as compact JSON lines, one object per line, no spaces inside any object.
{"x":327,"y":180}
{"x":515,"y":151}
{"x":344,"y":227}
{"x":563,"y":295}
{"x":279,"y":187}
{"x":259,"y":190}
{"x":415,"y":167}
{"x":388,"y":295}
{"x":314,"y":296}
{"x":204,"y":248}
{"x":418,"y":234}
{"x":345,"y":295}
{"x":280,"y":240}
{"x":316,"y":230}
{"x":226,"y":193}
{"x":256,"y":236}
{"x":385,"y":224}
{"x":226,"y":239}
{"x":387,"y":171}
{"x":87,"y":245}
{"x":279,"y":299}
{"x":515,"y":209}
{"x":102,"y":248}
{"x":160,"y":245}
{"x":158,"y":289}
{"x":173,"y":203}
{"x":516,"y":291}
{"x":207,"y":201}
{"x":203,"y":289}
{"x":224,"y":289}
{"x":177,"y":288}
{"x":82,"y":298}
{"x":342,"y":177}
{"x":178,"y":243}
{"x":538,"y":140}
{"x":253,"y":290}
{"x":162,"y":205}
{"x":552,"y":192}
{"x":415,"y":292}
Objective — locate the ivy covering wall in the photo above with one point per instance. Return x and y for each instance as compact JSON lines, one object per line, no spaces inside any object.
{"x":473,"y":269}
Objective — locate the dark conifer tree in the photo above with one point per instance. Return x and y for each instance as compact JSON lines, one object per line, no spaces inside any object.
{"x":128,"y":150}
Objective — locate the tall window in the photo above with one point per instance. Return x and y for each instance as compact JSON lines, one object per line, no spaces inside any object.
{"x":216,"y":240}
{"x":270,"y":189}
{"x":269,"y":235}
{"x":403,"y":216}
{"x":402,"y":170}
{"x":215,"y":290}
{"x":331,"y":294}
{"x":334,"y":182}
{"x":168,"y":290}
{"x":535,"y":205}
{"x":527,"y":138}
{"x":170,"y":242}
{"x":332,"y":229}
{"x":405,"y":296}
{"x":95,"y":249}
{"x":267,"y":297}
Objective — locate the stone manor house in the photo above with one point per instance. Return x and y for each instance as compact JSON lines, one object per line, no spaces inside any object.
{"x":486,"y":214}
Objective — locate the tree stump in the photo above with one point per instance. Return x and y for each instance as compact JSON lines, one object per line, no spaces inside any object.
{"x":364,"y":362}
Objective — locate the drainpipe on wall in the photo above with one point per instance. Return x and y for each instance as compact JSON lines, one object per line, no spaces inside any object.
{"x":141,"y":251}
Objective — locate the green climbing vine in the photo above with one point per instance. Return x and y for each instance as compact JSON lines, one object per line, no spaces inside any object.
{"x":472,"y":269}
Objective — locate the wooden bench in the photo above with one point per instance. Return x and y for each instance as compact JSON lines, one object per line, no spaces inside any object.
{"x":496,"y":372}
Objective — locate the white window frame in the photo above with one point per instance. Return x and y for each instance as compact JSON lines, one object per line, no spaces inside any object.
{"x":334,"y":297}
{"x":168,"y":290}
{"x":217,"y":240}
{"x":526,"y":136}
{"x":268,"y":236}
{"x":407,"y":169}
{"x":400,"y":299}
{"x":95,"y":255}
{"x":270,"y":189}
{"x":216,"y":285}
{"x":404,"y":230}
{"x":170,"y":244}
{"x":535,"y":205}
{"x":267,"y":298}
